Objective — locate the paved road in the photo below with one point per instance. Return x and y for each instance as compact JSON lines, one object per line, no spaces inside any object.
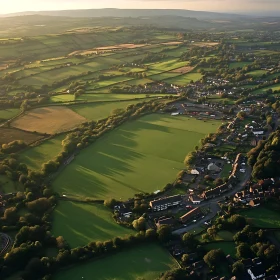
{"x":213,"y":204}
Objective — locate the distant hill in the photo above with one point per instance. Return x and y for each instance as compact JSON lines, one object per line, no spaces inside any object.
{"x":130,"y":13}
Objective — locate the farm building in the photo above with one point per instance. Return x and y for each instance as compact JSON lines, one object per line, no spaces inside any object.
{"x":165,"y":203}
{"x":196,"y":212}
{"x":213,"y":167}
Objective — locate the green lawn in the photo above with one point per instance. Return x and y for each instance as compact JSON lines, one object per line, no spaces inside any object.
{"x":34,"y":157}
{"x":81,"y":223}
{"x":101,"y":110}
{"x":226,"y":169}
{"x":139,"y":156}
{"x":262,"y":217}
{"x":227,"y":247}
{"x":6,"y":114}
{"x":143,"y":262}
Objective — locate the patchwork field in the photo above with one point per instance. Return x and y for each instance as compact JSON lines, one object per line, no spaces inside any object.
{"x":139,"y":156}
{"x":49,"y":120}
{"x":81,"y":223}
{"x":145,"y":262}
{"x":34,"y":157}
{"x":262,"y":217}
{"x":8,"y":135}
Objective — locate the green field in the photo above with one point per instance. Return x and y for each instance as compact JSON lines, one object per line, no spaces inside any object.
{"x":238,"y":64}
{"x":99,"y":97}
{"x":256,"y":73}
{"x":34,"y":157}
{"x":227,"y":247}
{"x":262,"y":217}
{"x":168,"y":65}
{"x":81,"y":223}
{"x":6,"y":114}
{"x":262,"y":90}
{"x":101,"y":110}
{"x":145,"y":262}
{"x":139,"y":156}
{"x":184,"y":79}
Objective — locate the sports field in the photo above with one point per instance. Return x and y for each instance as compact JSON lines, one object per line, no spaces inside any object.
{"x":262,"y":217}
{"x":34,"y":157}
{"x":81,"y":223}
{"x":139,"y":156}
{"x":143,"y":262}
{"x":49,"y":120}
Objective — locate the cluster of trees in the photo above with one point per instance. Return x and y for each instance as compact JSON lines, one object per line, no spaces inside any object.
{"x":265,"y":157}
{"x":13,"y":147}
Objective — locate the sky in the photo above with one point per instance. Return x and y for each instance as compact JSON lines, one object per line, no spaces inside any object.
{"x":248,"y":6}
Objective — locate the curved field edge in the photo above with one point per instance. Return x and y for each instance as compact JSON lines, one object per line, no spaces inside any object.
{"x":145,"y":262}
{"x":139,"y":156}
{"x":81,"y":223}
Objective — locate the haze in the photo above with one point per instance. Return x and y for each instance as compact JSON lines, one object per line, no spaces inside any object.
{"x":247,"y":6}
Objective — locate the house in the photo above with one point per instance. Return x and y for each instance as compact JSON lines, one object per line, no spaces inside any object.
{"x":195,"y":199}
{"x":165,"y":221}
{"x":198,"y":265}
{"x":213,"y":167}
{"x":194,"y":213}
{"x":258,"y":132}
{"x":256,"y":272}
{"x":195,"y":172}
{"x":217,"y":191}
{"x":165,"y":203}
{"x":255,"y":202}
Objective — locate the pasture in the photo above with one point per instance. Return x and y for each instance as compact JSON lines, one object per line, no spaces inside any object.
{"x":272,"y":87}
{"x":9,"y":186}
{"x":8,"y":135}
{"x":262,"y":217}
{"x":184,"y":79}
{"x":143,"y":262}
{"x":101,"y":110}
{"x":6,"y":114}
{"x":49,"y":120}
{"x":139,"y":156}
{"x":34,"y":157}
{"x":227,"y":246}
{"x":81,"y":223}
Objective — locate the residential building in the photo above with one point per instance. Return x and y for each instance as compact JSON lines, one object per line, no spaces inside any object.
{"x":191,"y":215}
{"x":195,"y":199}
{"x":256,"y":272}
{"x":165,"y":221}
{"x":165,"y":202}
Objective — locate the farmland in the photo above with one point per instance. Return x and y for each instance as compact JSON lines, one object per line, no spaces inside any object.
{"x":9,"y":134}
{"x":145,"y":262}
{"x":7,"y":114}
{"x":81,"y":223}
{"x":121,"y":163}
{"x":262,"y":217}
{"x":97,"y":111}
{"x":34,"y":157}
{"x":48,"y":120}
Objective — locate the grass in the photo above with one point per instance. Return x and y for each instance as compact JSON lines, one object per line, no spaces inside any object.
{"x":143,"y":262}
{"x":226,"y":169}
{"x":238,"y":64}
{"x":34,"y":157}
{"x":256,"y":73}
{"x":81,"y":223}
{"x":6,"y":114}
{"x":99,"y":111}
{"x":262,"y":217}
{"x":9,"y":186}
{"x":168,"y":65}
{"x":139,"y":156}
{"x":99,"y":97}
{"x":227,"y":246}
{"x":262,"y":90}
{"x":184,"y":79}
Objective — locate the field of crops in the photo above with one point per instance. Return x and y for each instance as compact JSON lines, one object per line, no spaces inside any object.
{"x":145,"y":262}
{"x":81,"y":223}
{"x":49,"y":120}
{"x":123,"y":162}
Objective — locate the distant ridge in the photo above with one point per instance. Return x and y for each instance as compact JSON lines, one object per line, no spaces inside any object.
{"x":129,"y":13}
